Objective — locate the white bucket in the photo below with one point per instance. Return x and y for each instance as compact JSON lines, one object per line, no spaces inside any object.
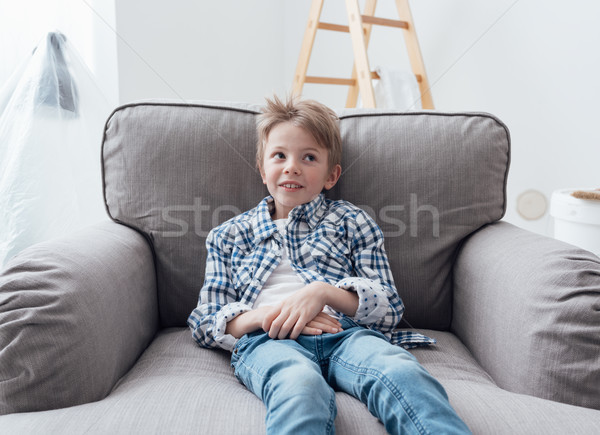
{"x":576,"y":221}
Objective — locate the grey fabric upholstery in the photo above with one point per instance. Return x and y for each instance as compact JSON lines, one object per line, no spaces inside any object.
{"x":515,"y":314}
{"x":175,"y":387}
{"x":428,"y":180}
{"x":174,"y":172}
{"x":75,"y":314}
{"x":530,"y":302}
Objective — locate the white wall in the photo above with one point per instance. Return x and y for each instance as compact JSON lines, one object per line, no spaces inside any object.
{"x":225,"y":50}
{"x":532,"y":63}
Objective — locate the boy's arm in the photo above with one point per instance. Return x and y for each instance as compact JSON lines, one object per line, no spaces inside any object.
{"x":379,"y":304}
{"x":247,"y":322}
{"x":218,"y":302}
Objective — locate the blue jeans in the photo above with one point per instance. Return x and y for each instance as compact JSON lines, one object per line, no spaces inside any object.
{"x":296,"y":380}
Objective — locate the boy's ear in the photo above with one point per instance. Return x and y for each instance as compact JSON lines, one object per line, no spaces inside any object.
{"x":262,"y":174}
{"x":334,"y":176}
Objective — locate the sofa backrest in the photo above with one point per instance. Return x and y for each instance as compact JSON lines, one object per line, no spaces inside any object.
{"x":174,"y":170}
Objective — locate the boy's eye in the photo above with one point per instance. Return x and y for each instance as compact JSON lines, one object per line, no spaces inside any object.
{"x":279,"y":156}
{"x":310,"y":158}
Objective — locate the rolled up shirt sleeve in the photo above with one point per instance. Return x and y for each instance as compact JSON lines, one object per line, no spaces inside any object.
{"x":211,"y":332}
{"x":379,"y":304}
{"x":373,"y":302}
{"x":217,"y":302}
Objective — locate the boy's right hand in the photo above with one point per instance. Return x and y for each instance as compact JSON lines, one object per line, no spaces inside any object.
{"x":322,"y":323}
{"x":251,"y":321}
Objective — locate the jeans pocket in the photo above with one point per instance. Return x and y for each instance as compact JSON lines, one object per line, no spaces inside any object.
{"x":238,"y":349}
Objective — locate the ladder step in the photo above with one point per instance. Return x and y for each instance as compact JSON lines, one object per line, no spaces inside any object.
{"x":335,"y":27}
{"x":329,"y":81}
{"x":346,"y":82}
{"x":367,"y":19}
{"x":375,"y":76}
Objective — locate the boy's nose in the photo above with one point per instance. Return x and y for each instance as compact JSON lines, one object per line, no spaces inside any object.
{"x":292,"y":167}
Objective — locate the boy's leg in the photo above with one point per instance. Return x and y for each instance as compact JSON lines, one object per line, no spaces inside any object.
{"x":392,"y":383}
{"x":287,"y":379}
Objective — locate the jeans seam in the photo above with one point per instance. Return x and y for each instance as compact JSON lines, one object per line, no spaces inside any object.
{"x":320,"y":360}
{"x":388,"y":385}
{"x":331,"y":420}
{"x":318,"y":346}
{"x":249,"y":368}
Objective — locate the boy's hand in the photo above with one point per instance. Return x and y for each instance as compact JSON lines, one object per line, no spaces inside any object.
{"x":298,"y":312}
{"x":322,"y":323}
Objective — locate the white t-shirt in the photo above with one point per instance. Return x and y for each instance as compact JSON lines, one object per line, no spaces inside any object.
{"x":283,"y":281}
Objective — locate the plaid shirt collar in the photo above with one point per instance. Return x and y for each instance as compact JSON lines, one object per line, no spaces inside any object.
{"x":311,"y":213}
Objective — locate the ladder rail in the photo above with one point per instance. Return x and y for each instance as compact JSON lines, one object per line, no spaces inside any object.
{"x":307,"y":45}
{"x":414,"y":54}
{"x":352,"y":97}
{"x":359,"y":27}
{"x":361,"y":60}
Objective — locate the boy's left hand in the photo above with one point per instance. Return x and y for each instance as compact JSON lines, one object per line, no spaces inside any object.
{"x":295,"y":312}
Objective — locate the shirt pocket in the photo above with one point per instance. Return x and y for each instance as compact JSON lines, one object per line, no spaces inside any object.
{"x":242,"y":279}
{"x":329,"y":249}
{"x":243,"y":269}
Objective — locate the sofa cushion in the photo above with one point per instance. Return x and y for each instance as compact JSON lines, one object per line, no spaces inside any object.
{"x":75,"y":314}
{"x":173,"y":171}
{"x":429,"y":179}
{"x":177,"y":387}
{"x":542,"y":318}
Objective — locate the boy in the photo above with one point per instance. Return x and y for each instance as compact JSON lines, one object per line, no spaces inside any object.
{"x":299,"y":289}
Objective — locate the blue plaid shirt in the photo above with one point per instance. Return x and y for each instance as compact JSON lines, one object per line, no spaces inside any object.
{"x":330,"y":241}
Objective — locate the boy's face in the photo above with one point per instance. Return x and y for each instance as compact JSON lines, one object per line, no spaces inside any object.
{"x":295,"y":168}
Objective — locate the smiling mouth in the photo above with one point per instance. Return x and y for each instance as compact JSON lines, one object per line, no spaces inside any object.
{"x":289,"y":186}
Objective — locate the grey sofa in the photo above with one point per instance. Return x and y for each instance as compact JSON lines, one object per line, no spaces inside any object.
{"x":93,"y":335}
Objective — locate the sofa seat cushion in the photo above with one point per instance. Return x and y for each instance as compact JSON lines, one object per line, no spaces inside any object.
{"x":177,"y":387}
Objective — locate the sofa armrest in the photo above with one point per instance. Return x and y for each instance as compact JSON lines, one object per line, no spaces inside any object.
{"x":528,"y":308}
{"x":75,"y":314}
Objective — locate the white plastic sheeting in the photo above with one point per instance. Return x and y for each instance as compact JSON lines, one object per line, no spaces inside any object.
{"x":51,"y":121}
{"x":397,"y":89}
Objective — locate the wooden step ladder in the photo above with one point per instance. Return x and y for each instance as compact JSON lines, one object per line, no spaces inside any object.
{"x":359,"y":27}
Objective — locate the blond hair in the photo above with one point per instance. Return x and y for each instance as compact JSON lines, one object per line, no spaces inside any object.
{"x":316,"y":118}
